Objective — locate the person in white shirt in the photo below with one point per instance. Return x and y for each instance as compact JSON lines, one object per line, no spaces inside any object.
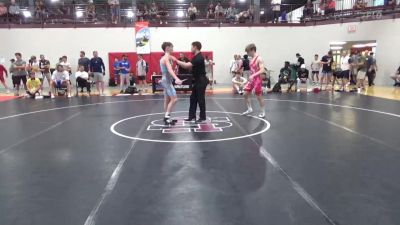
{"x":276,"y":10}
{"x":233,"y":66}
{"x":315,"y":67}
{"x":192,"y":11}
{"x":66,"y":65}
{"x":209,"y":69}
{"x":60,"y":79}
{"x":82,"y":79}
{"x":238,"y":83}
{"x":141,"y":72}
{"x":345,"y":62}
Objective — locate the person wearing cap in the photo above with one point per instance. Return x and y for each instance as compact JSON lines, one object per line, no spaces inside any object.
{"x":124,"y":70}
{"x":302,"y":76}
{"x":33,"y":84}
{"x":3,"y":71}
{"x":300,"y":60}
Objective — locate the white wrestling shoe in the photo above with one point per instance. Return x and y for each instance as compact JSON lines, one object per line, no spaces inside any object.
{"x":247,"y":112}
{"x":262,"y":114}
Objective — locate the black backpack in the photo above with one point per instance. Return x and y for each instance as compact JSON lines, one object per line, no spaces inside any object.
{"x":277,"y":88}
{"x":131,"y":90}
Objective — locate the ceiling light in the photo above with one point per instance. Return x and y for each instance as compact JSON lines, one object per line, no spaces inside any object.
{"x":79,"y":14}
{"x":371,"y":44}
{"x":180,"y":14}
{"x":337,"y":43}
{"x":359,"y":46}
{"x":262,"y":12}
{"x":242,"y":1}
{"x":336,"y":48}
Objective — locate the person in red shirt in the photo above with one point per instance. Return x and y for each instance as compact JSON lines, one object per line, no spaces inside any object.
{"x":3,"y":71}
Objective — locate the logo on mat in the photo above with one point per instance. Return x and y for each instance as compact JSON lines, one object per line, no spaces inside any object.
{"x":211,"y":125}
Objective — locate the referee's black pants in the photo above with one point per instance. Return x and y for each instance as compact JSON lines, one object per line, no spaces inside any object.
{"x":198,"y":97}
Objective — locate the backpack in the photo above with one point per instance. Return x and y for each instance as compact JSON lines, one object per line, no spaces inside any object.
{"x":277,"y":87}
{"x":131,"y":90}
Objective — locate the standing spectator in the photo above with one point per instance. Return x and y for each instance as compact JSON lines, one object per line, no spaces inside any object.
{"x":326,"y":74}
{"x":98,"y":70}
{"x":211,"y":11}
{"x":300,"y":60}
{"x":82,"y":79}
{"x":116,"y":70}
{"x":276,"y":10}
{"x":19,"y":71}
{"x":83,"y":61}
{"x":246,"y":67}
{"x":330,"y":7}
{"x":371,"y":69}
{"x":192,"y":11}
{"x":114,"y":8}
{"x":60,"y":79}
{"x":209,"y":69}
{"x":219,"y":10}
{"x":124,"y":71}
{"x":233,"y":67}
{"x":64,"y":62}
{"x":231,"y":13}
{"x":44,"y":66}
{"x":3,"y":71}
{"x":345,"y":62}
{"x":396,"y":78}
{"x":182,"y":70}
{"x":11,"y":70}
{"x":3,"y":9}
{"x":315,"y":67}
{"x":33,"y":85}
{"x":362,"y":70}
{"x":354,"y":67}
{"x":251,"y":12}
{"x":141,"y":72}
{"x":14,"y":9}
{"x":308,"y":9}
{"x":91,"y":12}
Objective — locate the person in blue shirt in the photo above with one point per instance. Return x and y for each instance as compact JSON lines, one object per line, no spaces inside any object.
{"x":98,"y":70}
{"x":124,"y":70}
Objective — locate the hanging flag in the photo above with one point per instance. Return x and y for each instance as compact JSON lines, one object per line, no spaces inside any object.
{"x":142,"y":37}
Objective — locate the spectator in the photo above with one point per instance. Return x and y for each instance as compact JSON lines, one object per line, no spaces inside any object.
{"x":308,"y":9}
{"x":35,"y":68}
{"x":141,"y":72}
{"x":44,"y":66}
{"x":3,"y":9}
{"x":3,"y":71}
{"x":219,"y":10}
{"x":302,"y":76}
{"x":33,"y":85}
{"x":330,"y":7}
{"x":11,"y":70}
{"x":233,"y":67}
{"x":91,"y":12}
{"x":354,"y":67}
{"x":209,"y":69}
{"x":300,"y":60}
{"x":82,"y":79}
{"x":19,"y":71}
{"x":64,"y":62}
{"x":391,"y":3}
{"x":83,"y":61}
{"x":116,"y":70}
{"x":362,"y":71}
{"x":211,"y":11}
{"x":124,"y":71}
{"x":246,"y":67}
{"x":396,"y":78}
{"x":276,"y":10}
{"x":143,"y":13}
{"x":14,"y":9}
{"x":345,"y":63}
{"x":163,"y":13}
{"x":114,"y":9}
{"x":153,"y":11}
{"x":40,"y":9}
{"x":60,"y":79}
{"x":251,"y":12}
{"x":231,"y":13}
{"x":371,"y":69}
{"x":238,"y":83}
{"x":192,"y":11}
{"x":315,"y":67}
{"x":360,"y":5}
{"x":98,"y":70}
{"x":284,"y":73}
{"x":182,"y":70}
{"x":326,"y":74}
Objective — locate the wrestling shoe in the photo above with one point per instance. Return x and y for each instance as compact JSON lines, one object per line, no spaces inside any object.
{"x":247,"y":112}
{"x":262,"y":114}
{"x":168,"y":121}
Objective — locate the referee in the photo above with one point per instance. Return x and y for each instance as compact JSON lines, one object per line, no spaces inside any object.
{"x":200,"y":82}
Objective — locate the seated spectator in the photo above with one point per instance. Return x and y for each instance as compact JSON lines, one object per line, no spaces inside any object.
{"x":284,"y":73}
{"x":163,"y":14}
{"x":302,"y":75}
{"x":330,"y":7}
{"x":3,"y":9}
{"x":33,"y":84}
{"x":192,"y":11}
{"x":243,"y":16}
{"x":251,"y":12}
{"x":396,"y":78}
{"x":231,"y":13}
{"x":360,"y":5}
{"x":143,"y":13}
{"x":40,"y":9}
{"x":114,"y":8}
{"x":60,"y":79}
{"x":238,"y":83}
{"x":91,"y":12}
{"x":82,"y":79}
{"x":391,"y":3}
{"x":276,"y":10}
{"x":153,"y":11}
{"x":219,"y":10}
{"x":308,"y":9}
{"x":14,"y":9}
{"x":63,"y":10}
{"x":211,"y":11}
